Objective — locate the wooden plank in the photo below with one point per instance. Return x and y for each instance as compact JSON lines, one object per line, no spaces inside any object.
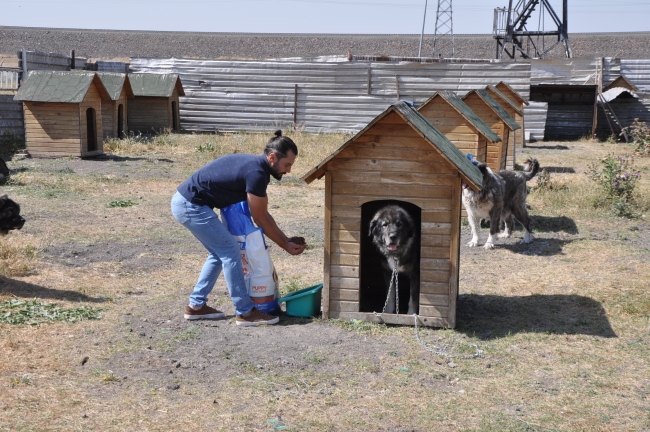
{"x":434,"y":300}
{"x":454,"y":268}
{"x":344,"y":248}
{"x":389,"y":153}
{"x":357,"y":201}
{"x":434,"y":276}
{"x":395,"y":130}
{"x":344,"y":283}
{"x":344,"y":271}
{"x":46,"y":140}
{"x":407,"y":320}
{"x":441,"y":288}
{"x":434,"y":264}
{"x":392,"y":178}
{"x":346,"y":224}
{"x":327,"y":246}
{"x":434,"y":312}
{"x":344,"y":259}
{"x":441,"y":241}
{"x":434,"y":252}
{"x":437,"y":228}
{"x":345,"y":306}
{"x":342,"y":164}
{"x":346,"y":236}
{"x":346,"y":212}
{"x":436,"y":216}
{"x":370,"y":139}
{"x":405,"y":191}
{"x":345,"y":295}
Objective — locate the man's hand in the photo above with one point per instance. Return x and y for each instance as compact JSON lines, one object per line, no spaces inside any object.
{"x":295,"y":249}
{"x":298,"y":240}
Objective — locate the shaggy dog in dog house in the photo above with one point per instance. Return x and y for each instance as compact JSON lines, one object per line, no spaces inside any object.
{"x":396,"y":236}
{"x":10,"y":218}
{"x":502,"y":197}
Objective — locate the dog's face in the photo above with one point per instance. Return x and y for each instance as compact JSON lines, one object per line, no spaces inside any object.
{"x":10,"y":218}
{"x":391,"y":229}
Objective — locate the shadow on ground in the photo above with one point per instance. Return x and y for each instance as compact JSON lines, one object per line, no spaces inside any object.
{"x":556,"y":147}
{"x":491,"y":316}
{"x":27,"y":290}
{"x":554,"y":224}
{"x":561,"y":170}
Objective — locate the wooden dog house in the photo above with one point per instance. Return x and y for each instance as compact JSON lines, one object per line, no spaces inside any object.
{"x":114,"y":113}
{"x":63,"y":113}
{"x":398,"y":157}
{"x":519,"y":101}
{"x":451,"y":116}
{"x":154,"y":107}
{"x":499,"y":121}
{"x":517,"y":114}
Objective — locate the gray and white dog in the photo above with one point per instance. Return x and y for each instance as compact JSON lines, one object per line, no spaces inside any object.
{"x":502,"y":197}
{"x":396,"y":236}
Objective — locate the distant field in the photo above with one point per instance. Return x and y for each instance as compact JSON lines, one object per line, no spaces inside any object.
{"x":124,"y":44}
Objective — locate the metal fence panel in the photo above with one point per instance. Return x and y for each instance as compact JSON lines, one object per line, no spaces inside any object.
{"x":575,"y":71}
{"x":638,"y":72}
{"x":322,"y":95}
{"x":535,"y":120}
{"x":9,"y":80}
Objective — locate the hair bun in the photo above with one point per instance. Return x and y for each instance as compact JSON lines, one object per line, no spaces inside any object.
{"x":278,"y":133}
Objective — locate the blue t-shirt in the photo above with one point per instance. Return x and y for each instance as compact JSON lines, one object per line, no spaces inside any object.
{"x":228,"y":180}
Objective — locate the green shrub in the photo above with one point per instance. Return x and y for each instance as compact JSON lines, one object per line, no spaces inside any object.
{"x":640,"y":134}
{"x":617,"y":178}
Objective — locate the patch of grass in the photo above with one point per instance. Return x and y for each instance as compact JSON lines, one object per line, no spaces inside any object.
{"x":34,"y":312}
{"x":189,"y":333}
{"x":17,"y":257}
{"x":120,"y":203}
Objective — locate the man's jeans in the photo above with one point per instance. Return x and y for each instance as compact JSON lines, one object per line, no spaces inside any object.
{"x":204,"y":224}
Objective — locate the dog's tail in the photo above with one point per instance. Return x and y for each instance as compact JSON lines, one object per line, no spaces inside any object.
{"x":531,"y":168}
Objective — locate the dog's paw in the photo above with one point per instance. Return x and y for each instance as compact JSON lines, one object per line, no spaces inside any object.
{"x":528,"y":238}
{"x":489,"y":246}
{"x":472,"y":243}
{"x":504,"y":235}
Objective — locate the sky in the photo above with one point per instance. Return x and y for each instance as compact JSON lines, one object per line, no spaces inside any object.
{"x":307,"y":16}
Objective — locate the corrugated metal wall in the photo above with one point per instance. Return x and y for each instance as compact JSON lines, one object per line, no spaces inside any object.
{"x":535,"y":120}
{"x":11,"y":115}
{"x":638,"y":72}
{"x":37,"y":60}
{"x":328,"y":95}
{"x":576,"y":71}
{"x":9,"y":80}
{"x":626,"y":109}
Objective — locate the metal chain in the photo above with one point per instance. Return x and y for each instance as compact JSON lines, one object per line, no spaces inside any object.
{"x":443,"y":351}
{"x":394,"y":277}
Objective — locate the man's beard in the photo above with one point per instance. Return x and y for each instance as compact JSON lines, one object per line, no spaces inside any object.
{"x":276,"y":175}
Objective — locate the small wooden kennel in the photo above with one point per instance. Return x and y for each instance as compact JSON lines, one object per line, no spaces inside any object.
{"x":114,"y":112}
{"x":518,"y":116}
{"x":63,"y":113}
{"x":398,"y":158}
{"x":499,"y":121}
{"x":451,"y":116}
{"x":519,"y":101}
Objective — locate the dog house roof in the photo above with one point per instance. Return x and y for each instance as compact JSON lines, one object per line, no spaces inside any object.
{"x":114,"y":83}
{"x":58,"y":86}
{"x":464,"y":110}
{"x":515,"y":93}
{"x":156,"y":85}
{"x":468,"y":172}
{"x":621,"y":81}
{"x":498,"y":109}
{"x":506,"y":99}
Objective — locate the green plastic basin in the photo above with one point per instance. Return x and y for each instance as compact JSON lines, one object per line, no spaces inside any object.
{"x":303,"y":303}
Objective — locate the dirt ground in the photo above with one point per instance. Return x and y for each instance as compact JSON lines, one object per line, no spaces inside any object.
{"x":562,"y":322}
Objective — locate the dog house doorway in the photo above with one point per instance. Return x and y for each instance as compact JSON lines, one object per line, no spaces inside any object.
{"x":373,"y":287}
{"x":91,"y":129}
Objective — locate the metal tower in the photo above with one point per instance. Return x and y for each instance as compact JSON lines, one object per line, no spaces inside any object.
{"x":444,"y":25}
{"x":511,"y":27}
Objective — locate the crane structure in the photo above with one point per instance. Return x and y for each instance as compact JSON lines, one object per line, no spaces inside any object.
{"x":444,"y":27}
{"x":512,"y":33}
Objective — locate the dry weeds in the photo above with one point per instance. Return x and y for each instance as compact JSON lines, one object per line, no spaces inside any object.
{"x":563,"y":323}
